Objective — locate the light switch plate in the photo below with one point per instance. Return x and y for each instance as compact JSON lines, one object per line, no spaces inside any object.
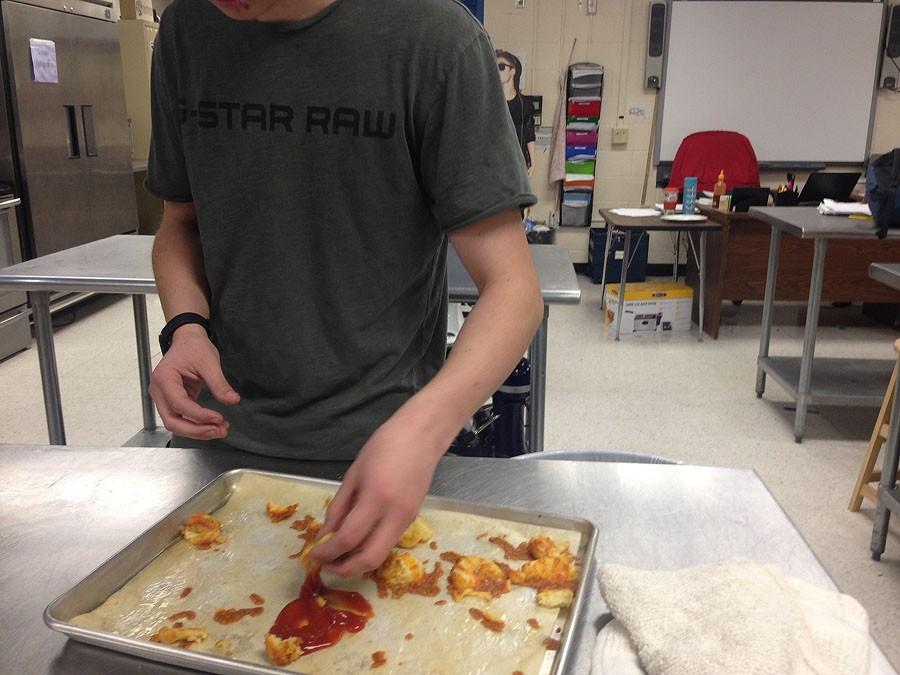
{"x":619,"y":135}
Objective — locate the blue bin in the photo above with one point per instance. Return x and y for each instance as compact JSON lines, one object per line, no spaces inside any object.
{"x":637,"y":270}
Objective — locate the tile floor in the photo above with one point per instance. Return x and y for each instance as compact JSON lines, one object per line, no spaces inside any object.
{"x":667,"y":395}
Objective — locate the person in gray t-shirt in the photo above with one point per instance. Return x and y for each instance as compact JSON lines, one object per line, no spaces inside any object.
{"x":315,"y":156}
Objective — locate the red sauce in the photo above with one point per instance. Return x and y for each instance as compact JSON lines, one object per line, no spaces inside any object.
{"x":227,"y":616}
{"x":408,"y":636}
{"x":534,"y":623}
{"x":487,"y":620}
{"x":321,"y":615}
{"x":552,"y":644}
{"x":186,"y":592}
{"x":511,"y":552}
{"x":451,"y":557}
{"x":378,"y":659}
{"x":308,"y":527}
{"x":177,"y":624}
{"x":482,"y":535}
{"x":518,"y":672}
{"x":257,"y":599}
{"x":433,"y":546}
{"x":187,"y":614}
{"x":440,"y":603}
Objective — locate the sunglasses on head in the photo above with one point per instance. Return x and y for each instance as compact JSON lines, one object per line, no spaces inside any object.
{"x":505,"y":66}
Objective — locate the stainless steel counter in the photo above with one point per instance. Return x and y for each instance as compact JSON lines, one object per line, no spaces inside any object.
{"x":807,"y":223}
{"x":836,"y":381}
{"x":65,"y":510}
{"x":122,"y":264}
{"x":886,"y":273}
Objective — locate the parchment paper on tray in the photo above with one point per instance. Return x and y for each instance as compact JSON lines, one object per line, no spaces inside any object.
{"x":416,"y":634}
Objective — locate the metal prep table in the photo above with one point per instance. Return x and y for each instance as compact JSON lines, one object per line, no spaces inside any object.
{"x":122,"y":264}
{"x":888,"y":494}
{"x":628,"y":224}
{"x":65,"y":510}
{"x":856,"y":382}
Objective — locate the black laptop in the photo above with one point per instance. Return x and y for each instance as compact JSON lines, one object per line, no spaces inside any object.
{"x":825,"y":185}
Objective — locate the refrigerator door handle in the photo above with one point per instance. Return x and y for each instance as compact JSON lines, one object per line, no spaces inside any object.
{"x":72,"y":132}
{"x":90,"y":137}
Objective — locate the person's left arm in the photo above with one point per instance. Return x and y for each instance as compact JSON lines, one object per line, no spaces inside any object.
{"x":383,"y":490}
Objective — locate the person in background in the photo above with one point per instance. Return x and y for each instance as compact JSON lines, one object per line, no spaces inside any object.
{"x":314,"y":157}
{"x":520,"y":108}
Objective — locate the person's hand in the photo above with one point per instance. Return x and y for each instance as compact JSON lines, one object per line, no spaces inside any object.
{"x":191,"y":362}
{"x":380,"y":496}
{"x":531,"y":170}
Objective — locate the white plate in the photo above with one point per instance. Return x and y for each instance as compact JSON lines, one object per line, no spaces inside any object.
{"x":685,"y":218}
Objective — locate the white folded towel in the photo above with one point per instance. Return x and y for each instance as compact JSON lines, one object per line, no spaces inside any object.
{"x":736,"y":616}
{"x":829,"y":207}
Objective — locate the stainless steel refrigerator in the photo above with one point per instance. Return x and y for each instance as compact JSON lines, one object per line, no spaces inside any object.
{"x":67,"y":138}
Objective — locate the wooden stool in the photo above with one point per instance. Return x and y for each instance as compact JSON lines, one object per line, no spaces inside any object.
{"x":867,"y":481}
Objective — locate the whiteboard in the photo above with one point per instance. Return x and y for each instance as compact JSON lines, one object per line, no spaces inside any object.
{"x":796,"y":78}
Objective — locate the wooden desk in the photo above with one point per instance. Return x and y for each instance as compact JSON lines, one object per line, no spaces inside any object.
{"x":628,"y":224}
{"x":738,"y":255}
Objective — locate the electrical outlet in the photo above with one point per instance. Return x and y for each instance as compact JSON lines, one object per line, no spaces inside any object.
{"x":520,"y":4}
{"x":619,"y":135}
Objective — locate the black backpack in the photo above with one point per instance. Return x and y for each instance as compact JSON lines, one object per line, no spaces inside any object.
{"x":883,"y":191}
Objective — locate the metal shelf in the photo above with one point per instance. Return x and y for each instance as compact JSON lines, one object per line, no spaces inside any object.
{"x":851,"y":382}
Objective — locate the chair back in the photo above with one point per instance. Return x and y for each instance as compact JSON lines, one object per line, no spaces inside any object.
{"x":704,"y":153}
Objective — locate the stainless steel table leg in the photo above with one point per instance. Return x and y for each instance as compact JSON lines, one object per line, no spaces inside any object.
{"x":701,"y":264}
{"x":809,"y":337}
{"x":609,"y":236}
{"x":768,"y":309}
{"x":627,"y":251}
{"x":43,"y":333}
{"x":677,"y":255}
{"x":141,"y":333}
{"x":888,"y":481}
{"x":538,"y":357}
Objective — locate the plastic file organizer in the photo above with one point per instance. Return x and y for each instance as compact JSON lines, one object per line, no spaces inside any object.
{"x":584,"y":96}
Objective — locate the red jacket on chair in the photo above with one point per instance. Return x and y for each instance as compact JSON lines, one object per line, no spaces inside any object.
{"x":705,"y":153}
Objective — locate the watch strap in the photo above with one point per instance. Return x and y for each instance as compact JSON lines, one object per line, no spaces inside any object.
{"x":179,"y":320}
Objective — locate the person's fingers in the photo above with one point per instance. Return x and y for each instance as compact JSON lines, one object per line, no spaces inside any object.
{"x":211,"y":374}
{"x":188,"y":428}
{"x":341,"y":504}
{"x":170,"y":383}
{"x":373,"y":551}
{"x":352,"y":532}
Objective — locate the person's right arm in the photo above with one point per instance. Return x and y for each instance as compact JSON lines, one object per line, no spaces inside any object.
{"x":193,"y":360}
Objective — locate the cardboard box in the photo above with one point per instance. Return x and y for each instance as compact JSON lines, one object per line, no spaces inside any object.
{"x":651,"y":307}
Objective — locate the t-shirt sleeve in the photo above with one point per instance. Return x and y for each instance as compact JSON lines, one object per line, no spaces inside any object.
{"x":471,"y":163}
{"x":167,"y":175}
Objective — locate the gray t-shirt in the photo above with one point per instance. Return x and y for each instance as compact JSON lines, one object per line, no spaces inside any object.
{"x":327,"y":160}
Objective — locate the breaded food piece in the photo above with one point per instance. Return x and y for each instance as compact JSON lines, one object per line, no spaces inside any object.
{"x":478,"y":577}
{"x":402,"y":573}
{"x":542,"y":546}
{"x":278,"y":513}
{"x":224,"y":646}
{"x":309,"y":563}
{"x":401,"y":569}
{"x":554,"y":598}
{"x":418,"y":532}
{"x":551,"y":572}
{"x":282,"y":652}
{"x":202,"y":530}
{"x":182,"y":636}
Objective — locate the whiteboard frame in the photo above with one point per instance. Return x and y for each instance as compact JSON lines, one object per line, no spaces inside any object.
{"x":798,"y":164}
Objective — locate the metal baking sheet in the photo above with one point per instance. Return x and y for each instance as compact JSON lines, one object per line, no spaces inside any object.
{"x":116,"y":572}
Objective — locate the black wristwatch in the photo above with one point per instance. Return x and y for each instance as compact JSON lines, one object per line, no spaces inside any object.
{"x":165,"y":336}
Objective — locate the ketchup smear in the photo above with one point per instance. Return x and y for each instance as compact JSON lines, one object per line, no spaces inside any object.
{"x":321,"y":625}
